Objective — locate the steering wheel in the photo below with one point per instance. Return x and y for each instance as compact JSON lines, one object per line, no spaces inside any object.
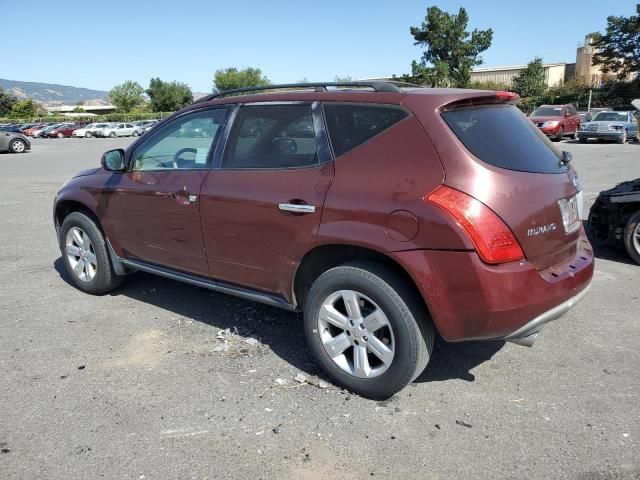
{"x":175,"y":163}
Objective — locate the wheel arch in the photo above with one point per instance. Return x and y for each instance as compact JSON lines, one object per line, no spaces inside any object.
{"x":324,"y":257}
{"x":65,"y":207}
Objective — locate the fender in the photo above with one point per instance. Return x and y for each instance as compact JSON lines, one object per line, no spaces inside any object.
{"x":88,"y":191}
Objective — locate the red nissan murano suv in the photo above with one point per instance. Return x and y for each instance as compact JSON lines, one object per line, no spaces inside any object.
{"x":384,"y":212}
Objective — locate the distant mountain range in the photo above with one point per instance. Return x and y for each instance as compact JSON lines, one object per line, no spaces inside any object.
{"x":52,"y":94}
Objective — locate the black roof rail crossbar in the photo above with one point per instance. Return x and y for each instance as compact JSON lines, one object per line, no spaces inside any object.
{"x":378,"y":86}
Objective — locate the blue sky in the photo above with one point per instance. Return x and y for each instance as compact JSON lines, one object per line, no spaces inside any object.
{"x":76,"y":43}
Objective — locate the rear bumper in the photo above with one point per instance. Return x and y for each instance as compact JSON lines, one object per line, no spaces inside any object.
{"x":470,"y":300}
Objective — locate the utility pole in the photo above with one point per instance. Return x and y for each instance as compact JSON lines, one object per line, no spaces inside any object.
{"x":589,"y":104}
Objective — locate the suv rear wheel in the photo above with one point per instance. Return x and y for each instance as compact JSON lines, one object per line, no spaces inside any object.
{"x":367,"y":329}
{"x":632,"y":237}
{"x":85,"y":256}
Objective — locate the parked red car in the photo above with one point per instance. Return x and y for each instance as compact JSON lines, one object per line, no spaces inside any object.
{"x":30,"y":131}
{"x":557,"y":121}
{"x":64,"y":130}
{"x":384,"y":215}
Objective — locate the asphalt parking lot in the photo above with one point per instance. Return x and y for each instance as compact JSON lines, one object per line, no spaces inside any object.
{"x":145,"y":383}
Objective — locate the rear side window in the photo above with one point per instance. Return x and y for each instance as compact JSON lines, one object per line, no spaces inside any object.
{"x":352,"y":125}
{"x":503,"y":136}
{"x":271,"y":136}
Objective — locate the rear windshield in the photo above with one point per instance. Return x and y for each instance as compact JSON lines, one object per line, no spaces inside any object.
{"x":503,"y":136}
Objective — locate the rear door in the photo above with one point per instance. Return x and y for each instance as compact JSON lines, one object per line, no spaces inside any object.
{"x":154,"y":207}
{"x":520,"y":175}
{"x":261,"y":206}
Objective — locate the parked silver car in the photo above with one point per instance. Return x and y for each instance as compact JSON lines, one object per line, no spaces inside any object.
{"x":14,"y":142}
{"x":120,"y":130}
{"x":618,"y":126}
{"x":90,"y":130}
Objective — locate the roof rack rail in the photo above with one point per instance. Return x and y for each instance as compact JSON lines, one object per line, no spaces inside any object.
{"x":377,"y":86}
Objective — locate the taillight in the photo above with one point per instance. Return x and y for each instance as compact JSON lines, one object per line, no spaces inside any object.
{"x":493,"y":239}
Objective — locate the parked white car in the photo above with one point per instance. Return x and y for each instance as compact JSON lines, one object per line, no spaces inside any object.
{"x":121,"y":130}
{"x":90,"y":130}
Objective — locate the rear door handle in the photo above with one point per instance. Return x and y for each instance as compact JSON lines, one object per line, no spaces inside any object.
{"x":296,"y":208}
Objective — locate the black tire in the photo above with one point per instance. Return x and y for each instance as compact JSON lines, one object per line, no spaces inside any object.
{"x":87,"y":135}
{"x":575,"y":133}
{"x":135,"y":133}
{"x":105,"y":278}
{"x":623,"y":138}
{"x":582,"y":139}
{"x":17,"y":146}
{"x":630,"y":230}
{"x":112,"y":134}
{"x":411,"y":327}
{"x":559,"y":135}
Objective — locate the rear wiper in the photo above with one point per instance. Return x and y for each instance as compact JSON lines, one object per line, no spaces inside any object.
{"x":566,"y":157}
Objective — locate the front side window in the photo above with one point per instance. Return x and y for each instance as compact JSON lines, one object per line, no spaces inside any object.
{"x":271,"y":136}
{"x":352,"y":125}
{"x":185,"y":143}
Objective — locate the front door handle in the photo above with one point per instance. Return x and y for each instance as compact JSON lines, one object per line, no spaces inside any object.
{"x":297,"y":208}
{"x":182,"y":197}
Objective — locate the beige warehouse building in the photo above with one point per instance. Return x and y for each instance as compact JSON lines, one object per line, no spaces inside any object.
{"x":554,"y":73}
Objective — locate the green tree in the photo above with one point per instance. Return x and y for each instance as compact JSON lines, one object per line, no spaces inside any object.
{"x":7,"y":100}
{"x":530,"y":81}
{"x":168,"y":96}
{"x":231,"y":78}
{"x":26,"y":109}
{"x":618,"y":50}
{"x":126,"y":96}
{"x":451,"y":51}
{"x":493,"y":86}
{"x":79,"y":109}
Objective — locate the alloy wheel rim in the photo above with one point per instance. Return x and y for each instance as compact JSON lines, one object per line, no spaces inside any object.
{"x":81,"y":255}
{"x":18,"y":146}
{"x":636,"y":238}
{"x":356,"y":334}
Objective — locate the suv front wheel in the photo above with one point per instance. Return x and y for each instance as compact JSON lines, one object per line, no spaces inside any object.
{"x":367,"y":329}
{"x":85,"y":256}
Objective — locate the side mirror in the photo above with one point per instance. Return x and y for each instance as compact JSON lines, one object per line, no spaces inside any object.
{"x":566,"y":157}
{"x":113,"y":160}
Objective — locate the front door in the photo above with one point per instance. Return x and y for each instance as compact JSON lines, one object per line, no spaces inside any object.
{"x":154,"y":207}
{"x":261,"y":207}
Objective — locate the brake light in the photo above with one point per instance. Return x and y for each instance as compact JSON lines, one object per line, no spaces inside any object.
{"x":493,"y":239}
{"x":507,"y":96}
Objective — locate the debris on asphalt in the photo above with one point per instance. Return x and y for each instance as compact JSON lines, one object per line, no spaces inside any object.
{"x":252,"y":341}
{"x":81,"y":367}
{"x":464,"y":424}
{"x":280,"y":381}
{"x":315,"y":381}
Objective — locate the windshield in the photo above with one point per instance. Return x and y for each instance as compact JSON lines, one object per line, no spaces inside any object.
{"x":502,"y":136}
{"x":547,"y":112}
{"x":610,"y":117}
